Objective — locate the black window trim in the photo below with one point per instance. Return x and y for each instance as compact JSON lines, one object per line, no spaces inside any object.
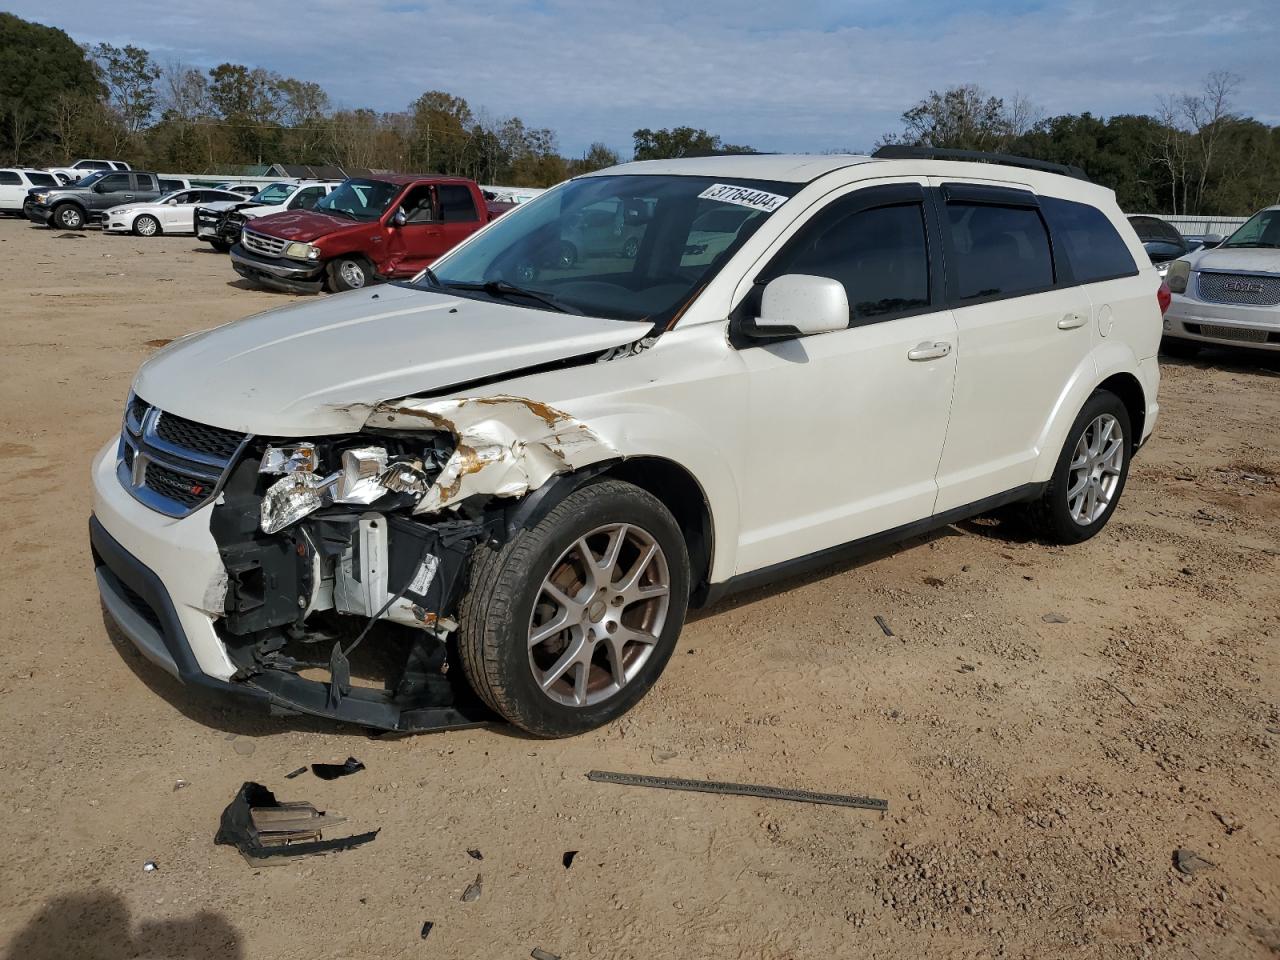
{"x":862,"y":199}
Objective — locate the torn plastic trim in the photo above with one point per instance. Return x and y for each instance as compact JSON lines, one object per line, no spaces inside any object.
{"x":505,"y":446}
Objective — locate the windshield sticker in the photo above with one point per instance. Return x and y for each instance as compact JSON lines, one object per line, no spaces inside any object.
{"x":743,"y":197}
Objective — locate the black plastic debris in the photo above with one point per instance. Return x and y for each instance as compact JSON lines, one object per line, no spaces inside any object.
{"x":426,"y":929}
{"x":267,"y":831}
{"x":567,"y":859}
{"x":332,"y":771}
{"x":884,"y":625}
{"x":295,"y":773}
{"x":472,"y":893}
{"x":475,"y":854}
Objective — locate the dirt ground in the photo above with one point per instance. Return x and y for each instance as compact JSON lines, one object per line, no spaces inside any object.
{"x":1048,"y":725}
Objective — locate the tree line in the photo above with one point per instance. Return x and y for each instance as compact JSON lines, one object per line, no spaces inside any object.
{"x":60,"y":100}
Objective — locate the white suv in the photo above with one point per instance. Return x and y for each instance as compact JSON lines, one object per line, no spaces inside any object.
{"x":496,"y":489}
{"x":1230,"y":294}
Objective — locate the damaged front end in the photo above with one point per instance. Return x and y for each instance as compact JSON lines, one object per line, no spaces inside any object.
{"x":347,"y":557}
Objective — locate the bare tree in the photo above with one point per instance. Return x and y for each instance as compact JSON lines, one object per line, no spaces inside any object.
{"x":1171,"y":150}
{"x":1208,"y":113}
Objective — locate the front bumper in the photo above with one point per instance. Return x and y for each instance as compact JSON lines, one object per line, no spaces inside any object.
{"x":287,"y":275}
{"x":1224,"y":324}
{"x":159,"y":578}
{"x":36,"y":212}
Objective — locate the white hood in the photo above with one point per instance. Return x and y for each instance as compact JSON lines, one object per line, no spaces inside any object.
{"x":1250,"y":259}
{"x":316,"y":368}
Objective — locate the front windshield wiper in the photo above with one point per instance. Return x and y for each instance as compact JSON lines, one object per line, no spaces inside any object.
{"x":1253,"y":243}
{"x":500,"y":288}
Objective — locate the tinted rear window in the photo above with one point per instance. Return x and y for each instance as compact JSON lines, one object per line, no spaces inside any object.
{"x":42,"y":179}
{"x":1092,"y":245}
{"x":997,"y":251}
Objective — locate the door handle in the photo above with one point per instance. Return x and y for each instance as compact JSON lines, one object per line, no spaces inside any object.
{"x":1072,"y":320}
{"x":929,"y":351}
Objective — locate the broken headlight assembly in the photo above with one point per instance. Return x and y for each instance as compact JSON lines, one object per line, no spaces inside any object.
{"x":302,"y":251}
{"x":360,"y":476}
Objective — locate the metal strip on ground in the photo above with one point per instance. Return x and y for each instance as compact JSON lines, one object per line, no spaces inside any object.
{"x":738,"y":789}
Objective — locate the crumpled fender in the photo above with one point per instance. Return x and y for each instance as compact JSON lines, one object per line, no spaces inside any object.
{"x":506,"y":446}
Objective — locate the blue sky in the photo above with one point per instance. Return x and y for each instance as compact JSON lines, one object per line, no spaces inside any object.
{"x":803,"y":75}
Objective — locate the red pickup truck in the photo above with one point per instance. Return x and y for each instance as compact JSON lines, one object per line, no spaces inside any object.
{"x":367,"y":230}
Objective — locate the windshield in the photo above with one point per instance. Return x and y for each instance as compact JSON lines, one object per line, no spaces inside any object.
{"x":276,"y":193}
{"x":622,"y":247}
{"x":359,"y":199}
{"x":1260,"y":230}
{"x":42,"y":180}
{"x":90,"y":179}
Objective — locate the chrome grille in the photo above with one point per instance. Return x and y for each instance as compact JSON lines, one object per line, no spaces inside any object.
{"x":1249,"y":289}
{"x":172,"y":464}
{"x":260,"y":243}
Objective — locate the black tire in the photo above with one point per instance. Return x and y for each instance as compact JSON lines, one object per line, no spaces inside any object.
{"x":1181,"y":349}
{"x":344,"y":271}
{"x":1050,"y":516}
{"x":145,"y":225}
{"x":497,"y":612}
{"x":67,"y":216}
{"x":566,"y":255}
{"x":220,"y":245}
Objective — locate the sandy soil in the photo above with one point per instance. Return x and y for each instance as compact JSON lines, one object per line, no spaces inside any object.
{"x":1048,"y":725}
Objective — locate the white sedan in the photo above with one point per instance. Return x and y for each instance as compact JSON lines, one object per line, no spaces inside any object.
{"x":172,"y":213}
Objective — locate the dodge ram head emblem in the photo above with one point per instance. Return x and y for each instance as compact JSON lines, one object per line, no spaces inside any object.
{"x":1244,"y":286}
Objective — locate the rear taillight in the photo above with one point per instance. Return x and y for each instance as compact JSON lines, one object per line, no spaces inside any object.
{"x":1164,"y":298}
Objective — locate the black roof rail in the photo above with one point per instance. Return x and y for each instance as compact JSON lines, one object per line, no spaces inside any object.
{"x":898,"y":151}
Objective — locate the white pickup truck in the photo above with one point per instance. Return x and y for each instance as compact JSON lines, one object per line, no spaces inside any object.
{"x":219,"y":223}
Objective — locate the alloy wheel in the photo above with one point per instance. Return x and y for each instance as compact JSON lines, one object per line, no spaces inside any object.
{"x":352,"y":274}
{"x":1094,"y":471}
{"x":598,"y":614}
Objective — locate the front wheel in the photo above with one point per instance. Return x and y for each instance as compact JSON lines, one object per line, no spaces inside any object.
{"x":146,"y":226}
{"x":349,"y":273}
{"x":1090,"y":474}
{"x":67,"y":216}
{"x":220,"y":245}
{"x":568,"y":624}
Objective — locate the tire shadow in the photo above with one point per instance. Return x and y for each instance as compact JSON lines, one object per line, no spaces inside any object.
{"x":95,"y":925}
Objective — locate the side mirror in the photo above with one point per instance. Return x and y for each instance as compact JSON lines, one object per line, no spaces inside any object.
{"x":399,"y":218}
{"x":798,"y":305}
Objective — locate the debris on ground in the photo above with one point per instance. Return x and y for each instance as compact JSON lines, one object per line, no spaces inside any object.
{"x":472,"y":893}
{"x":150,"y":867}
{"x":162,"y":342}
{"x":884,"y":625}
{"x":475,"y":854}
{"x":295,"y":773}
{"x":426,"y":929}
{"x":332,"y":771}
{"x":1055,"y":618}
{"x":567,"y":859}
{"x":540,"y":954}
{"x":1190,"y":862}
{"x":738,"y":789}
{"x":180,"y":784}
{"x":267,"y":831}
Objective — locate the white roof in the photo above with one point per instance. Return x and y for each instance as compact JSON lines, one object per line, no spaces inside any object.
{"x":794,"y":168}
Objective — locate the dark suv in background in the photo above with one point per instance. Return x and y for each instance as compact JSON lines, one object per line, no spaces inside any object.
{"x":77,"y":204}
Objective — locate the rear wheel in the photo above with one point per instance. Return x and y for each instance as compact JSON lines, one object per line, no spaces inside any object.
{"x":146,"y":226}
{"x":67,"y":216}
{"x":1090,"y":474}
{"x":568,"y":624}
{"x":349,"y":273}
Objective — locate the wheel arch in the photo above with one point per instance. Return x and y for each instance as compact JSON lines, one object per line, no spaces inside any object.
{"x":1113,"y":370}
{"x":670,"y":482}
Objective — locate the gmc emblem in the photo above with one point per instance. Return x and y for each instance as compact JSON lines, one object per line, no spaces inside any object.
{"x":1244,"y":286}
